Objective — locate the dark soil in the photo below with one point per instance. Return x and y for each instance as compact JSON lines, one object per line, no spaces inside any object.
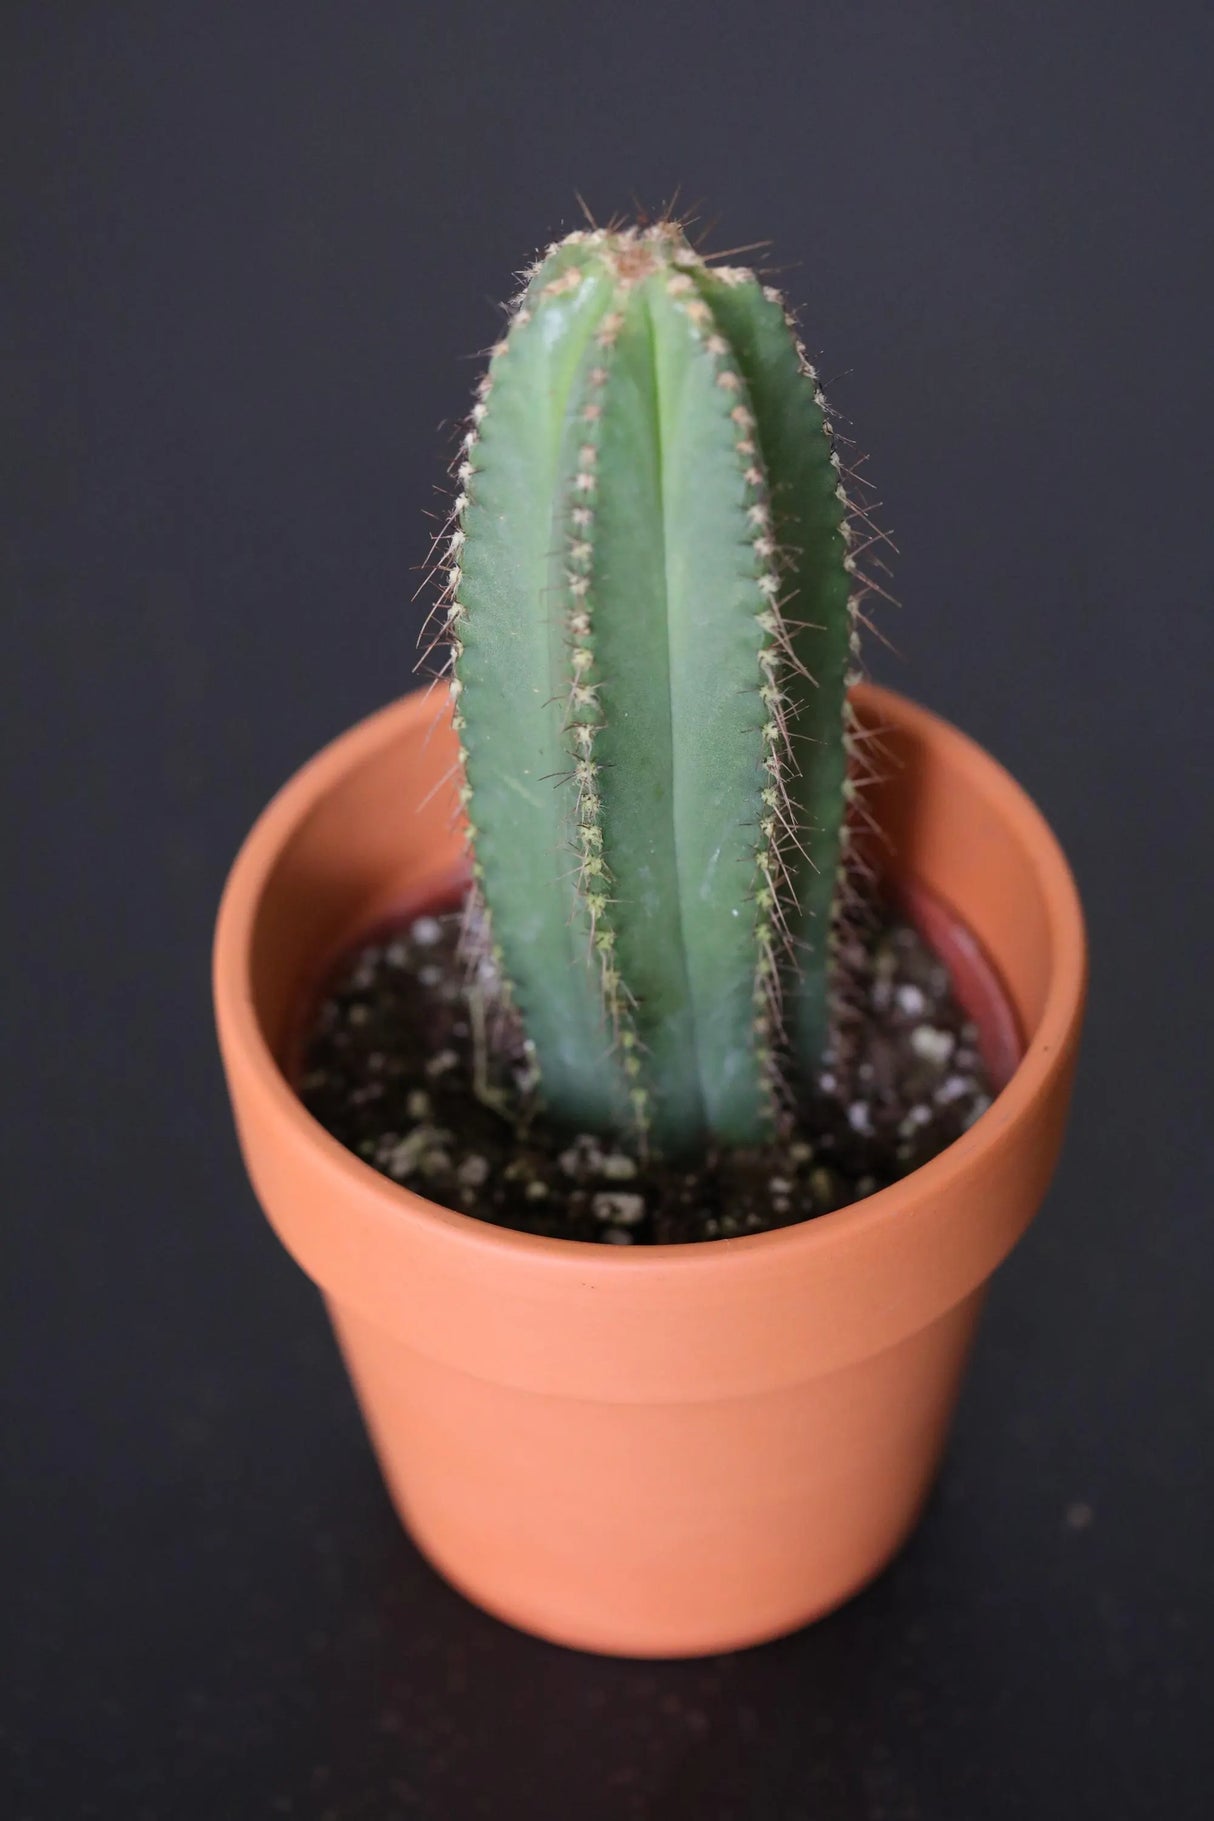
{"x":390,"y":1069}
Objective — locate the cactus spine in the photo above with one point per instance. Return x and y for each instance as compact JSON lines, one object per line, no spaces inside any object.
{"x":650,"y":610}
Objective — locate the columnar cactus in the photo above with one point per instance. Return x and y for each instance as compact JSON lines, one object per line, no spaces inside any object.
{"x":651,"y":610}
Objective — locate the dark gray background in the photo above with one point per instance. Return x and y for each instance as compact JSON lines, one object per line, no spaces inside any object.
{"x":254,"y":249}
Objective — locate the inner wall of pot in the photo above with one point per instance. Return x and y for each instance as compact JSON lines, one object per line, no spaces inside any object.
{"x":954,"y":821}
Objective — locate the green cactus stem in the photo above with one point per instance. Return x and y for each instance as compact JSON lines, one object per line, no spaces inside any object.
{"x":650,"y":607}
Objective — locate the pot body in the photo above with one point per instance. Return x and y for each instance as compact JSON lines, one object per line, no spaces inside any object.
{"x":660,"y":1528}
{"x":681,"y":1449}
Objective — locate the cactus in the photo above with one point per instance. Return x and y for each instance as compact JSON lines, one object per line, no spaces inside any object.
{"x":650,"y":609}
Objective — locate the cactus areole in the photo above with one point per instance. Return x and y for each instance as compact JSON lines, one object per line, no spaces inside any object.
{"x":651,"y":602}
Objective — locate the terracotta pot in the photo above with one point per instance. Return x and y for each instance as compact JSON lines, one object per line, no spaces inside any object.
{"x":677,"y":1449}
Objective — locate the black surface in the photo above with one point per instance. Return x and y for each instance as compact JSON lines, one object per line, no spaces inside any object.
{"x":253,"y":246}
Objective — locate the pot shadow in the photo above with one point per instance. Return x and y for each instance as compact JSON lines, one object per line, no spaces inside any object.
{"x":427,"y":1705}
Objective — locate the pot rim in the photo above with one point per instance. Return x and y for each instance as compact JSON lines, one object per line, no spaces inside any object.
{"x":1045,"y":1045}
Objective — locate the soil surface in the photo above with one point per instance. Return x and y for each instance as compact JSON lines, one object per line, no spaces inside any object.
{"x":397,"y":1066}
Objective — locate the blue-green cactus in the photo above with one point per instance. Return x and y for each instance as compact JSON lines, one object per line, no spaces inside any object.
{"x":650,"y":606}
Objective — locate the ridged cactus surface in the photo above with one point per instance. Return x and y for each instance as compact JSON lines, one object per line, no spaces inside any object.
{"x":649,"y":606}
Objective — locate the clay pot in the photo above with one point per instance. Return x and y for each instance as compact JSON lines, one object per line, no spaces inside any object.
{"x":675,"y":1449}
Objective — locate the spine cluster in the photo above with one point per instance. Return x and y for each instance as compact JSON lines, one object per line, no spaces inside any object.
{"x":854,"y":896}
